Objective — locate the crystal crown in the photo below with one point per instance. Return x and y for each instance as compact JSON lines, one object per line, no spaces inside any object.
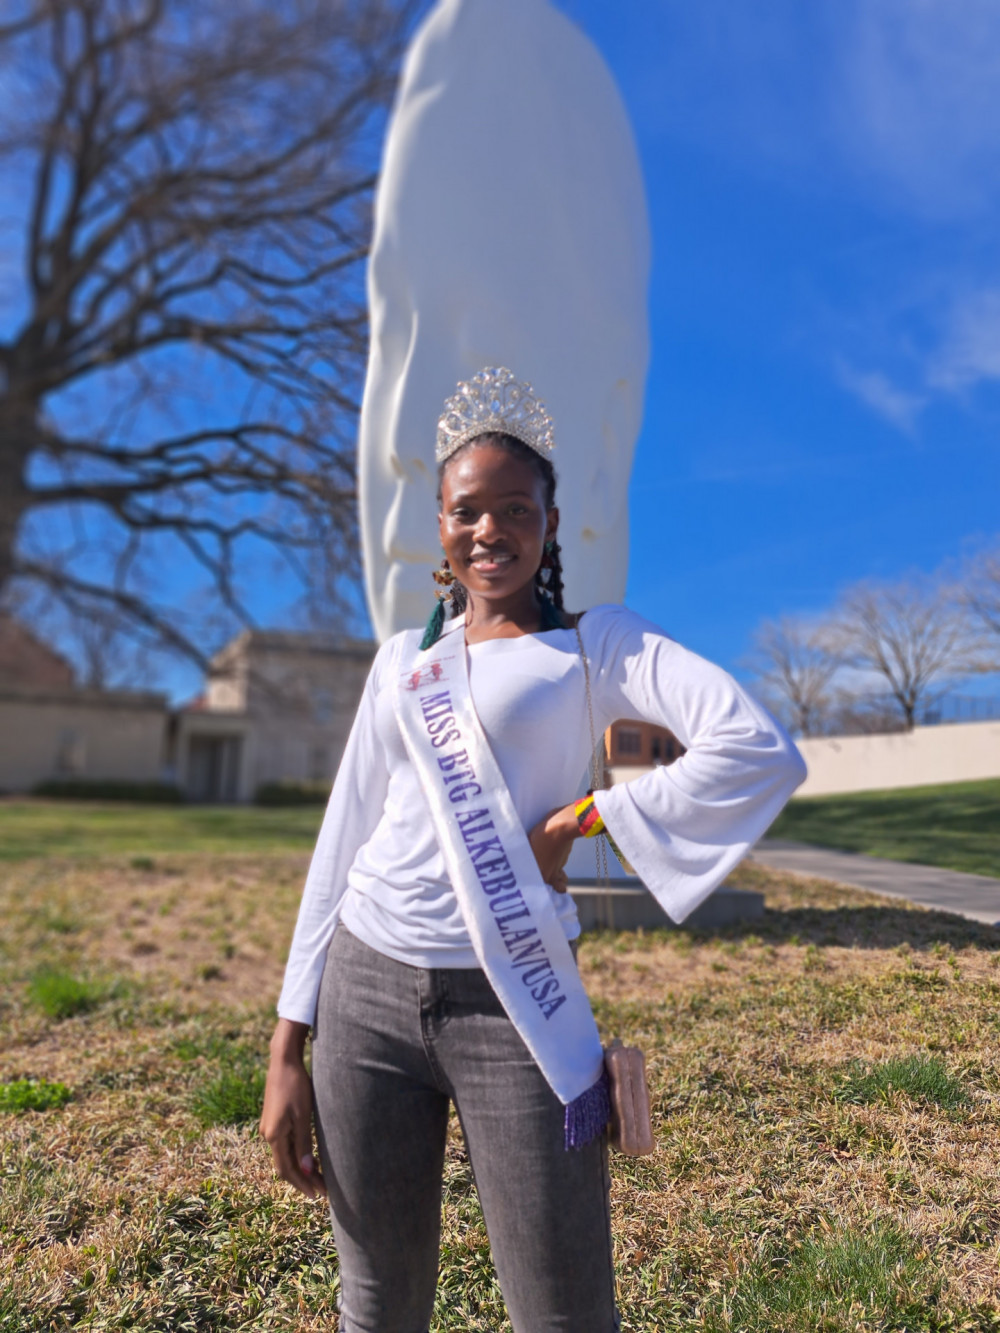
{"x":493,"y":400}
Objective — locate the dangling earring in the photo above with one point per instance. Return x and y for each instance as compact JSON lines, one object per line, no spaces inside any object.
{"x":444,"y":578}
{"x":545,"y":569}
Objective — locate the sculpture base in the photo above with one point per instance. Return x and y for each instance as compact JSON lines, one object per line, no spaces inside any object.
{"x":625,"y":904}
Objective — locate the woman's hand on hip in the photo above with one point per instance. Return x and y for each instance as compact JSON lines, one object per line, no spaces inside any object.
{"x":286,"y":1120}
{"x":551,"y":840}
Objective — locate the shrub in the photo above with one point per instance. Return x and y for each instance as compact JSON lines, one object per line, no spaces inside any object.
{"x":26,"y":1094}
{"x":922,"y":1077}
{"x":110,"y":789}
{"x":61,"y":995}
{"x":292,"y":793}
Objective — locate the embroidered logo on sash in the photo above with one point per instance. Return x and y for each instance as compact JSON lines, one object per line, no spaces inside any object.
{"x":429,"y":673}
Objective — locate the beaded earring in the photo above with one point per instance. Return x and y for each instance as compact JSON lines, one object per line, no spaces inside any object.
{"x":444,"y":578}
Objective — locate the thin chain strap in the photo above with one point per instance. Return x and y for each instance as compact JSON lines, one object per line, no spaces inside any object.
{"x":596,"y":767}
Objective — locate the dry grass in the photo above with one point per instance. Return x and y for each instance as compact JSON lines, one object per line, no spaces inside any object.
{"x":772,"y":1203}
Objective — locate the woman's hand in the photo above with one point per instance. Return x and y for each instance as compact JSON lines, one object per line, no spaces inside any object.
{"x":551,"y":840}
{"x":286,"y":1120}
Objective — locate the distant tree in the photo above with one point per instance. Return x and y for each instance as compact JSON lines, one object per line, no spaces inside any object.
{"x":194,"y":180}
{"x":863,"y":714}
{"x":912,"y":634}
{"x":107,"y":655}
{"x":979,"y":590}
{"x":795,"y":664}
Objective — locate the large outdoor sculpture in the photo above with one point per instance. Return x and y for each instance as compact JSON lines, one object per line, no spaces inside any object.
{"x":510,"y":229}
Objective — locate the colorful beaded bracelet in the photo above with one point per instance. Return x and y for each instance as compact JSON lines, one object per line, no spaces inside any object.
{"x":588,"y":817}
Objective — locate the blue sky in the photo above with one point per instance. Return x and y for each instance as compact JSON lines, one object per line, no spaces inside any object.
{"x":823,"y":402}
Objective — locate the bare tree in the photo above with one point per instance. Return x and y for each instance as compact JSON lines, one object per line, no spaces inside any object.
{"x":980,"y":591}
{"x":911,"y":633}
{"x":179,"y":393}
{"x":795,"y":663}
{"x":863,"y":714}
{"x":107,"y":654}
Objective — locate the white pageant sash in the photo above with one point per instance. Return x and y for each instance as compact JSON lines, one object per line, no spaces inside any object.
{"x":506,"y":905}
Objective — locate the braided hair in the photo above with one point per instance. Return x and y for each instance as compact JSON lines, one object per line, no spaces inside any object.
{"x":550,"y":595}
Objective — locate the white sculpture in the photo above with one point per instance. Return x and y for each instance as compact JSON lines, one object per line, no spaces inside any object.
{"x":510,"y":229}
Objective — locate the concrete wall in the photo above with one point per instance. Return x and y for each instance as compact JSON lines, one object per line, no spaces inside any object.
{"x":919,"y":758}
{"x":80,"y":734}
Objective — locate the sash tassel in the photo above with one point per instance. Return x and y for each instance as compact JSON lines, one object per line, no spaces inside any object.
{"x":587,"y":1115}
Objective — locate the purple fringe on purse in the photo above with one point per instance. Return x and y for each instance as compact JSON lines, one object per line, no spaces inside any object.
{"x":588,"y":1114}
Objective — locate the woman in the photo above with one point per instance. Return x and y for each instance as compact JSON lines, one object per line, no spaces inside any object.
{"x":450,"y":975}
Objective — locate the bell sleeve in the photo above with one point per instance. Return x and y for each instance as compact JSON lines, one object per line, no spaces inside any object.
{"x":352,"y":814}
{"x":684,"y":827}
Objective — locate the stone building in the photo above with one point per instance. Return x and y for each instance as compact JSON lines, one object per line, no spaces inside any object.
{"x":640,"y":745}
{"x":51,"y":728}
{"x":25,"y":660}
{"x":277,"y":707}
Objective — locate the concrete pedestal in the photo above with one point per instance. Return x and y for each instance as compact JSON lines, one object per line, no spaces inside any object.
{"x":625,"y":904}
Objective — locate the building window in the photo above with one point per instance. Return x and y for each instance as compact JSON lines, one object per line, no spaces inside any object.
{"x":655,"y":747}
{"x":323,"y":706}
{"x":319,"y":763}
{"x":71,"y":758}
{"x":629,"y":740}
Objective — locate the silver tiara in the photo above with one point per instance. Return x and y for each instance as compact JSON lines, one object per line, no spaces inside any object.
{"x":493,"y":400}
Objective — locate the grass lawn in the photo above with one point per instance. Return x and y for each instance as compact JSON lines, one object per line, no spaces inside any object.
{"x":956,"y":826}
{"x":826,"y":1090}
{"x":93,"y":828}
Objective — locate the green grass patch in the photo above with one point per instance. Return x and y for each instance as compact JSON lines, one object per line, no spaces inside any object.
{"x":91,"y":828}
{"x":234,"y":1095}
{"x":88,"y":789}
{"x":292,"y":793}
{"x":854,"y":1279}
{"x":955,"y":826}
{"x":924,"y":1078}
{"x":207,"y":1045}
{"x":60,"y":994}
{"x":27,"y":1094}
{"x":62,"y":923}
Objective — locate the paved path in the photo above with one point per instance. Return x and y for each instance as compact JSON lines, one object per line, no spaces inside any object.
{"x":973,"y":896}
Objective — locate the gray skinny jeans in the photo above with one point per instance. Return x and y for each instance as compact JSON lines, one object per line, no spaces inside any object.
{"x":392,"y":1046}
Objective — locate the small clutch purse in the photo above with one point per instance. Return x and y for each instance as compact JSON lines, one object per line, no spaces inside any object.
{"x":631,"y":1129}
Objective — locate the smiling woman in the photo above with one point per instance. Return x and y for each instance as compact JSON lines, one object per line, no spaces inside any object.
{"x":497,"y":520}
{"x":434,"y":955}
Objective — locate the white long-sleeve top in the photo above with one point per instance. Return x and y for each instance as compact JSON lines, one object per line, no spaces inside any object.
{"x":377,"y":865}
